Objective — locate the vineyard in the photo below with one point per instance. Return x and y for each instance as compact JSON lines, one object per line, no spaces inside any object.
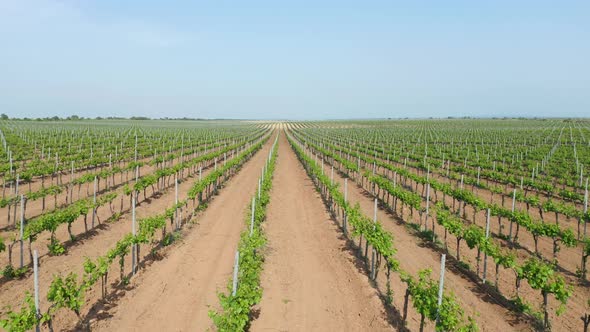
{"x":409,"y":225}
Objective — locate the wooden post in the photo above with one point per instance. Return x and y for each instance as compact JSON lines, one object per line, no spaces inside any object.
{"x":72,"y":183}
{"x":36,"y":285}
{"x":135,"y":147}
{"x":585,"y":206}
{"x":94,"y":203}
{"x":345,"y":190}
{"x":485,"y":255}
{"x":22,"y":229}
{"x":252,"y":216}
{"x":513,"y":206}
{"x":373,"y":252}
{"x":441,"y":283}
{"x":332,"y":176}
{"x":358,"y":165}
{"x":235,"y":279}
{"x":133,"y":231}
{"x":427,"y":210}
{"x":344,"y":221}
{"x":136,"y":173}
{"x":177,"y":224}
{"x":375,"y":212}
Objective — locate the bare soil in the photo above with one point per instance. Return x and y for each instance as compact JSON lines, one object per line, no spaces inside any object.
{"x":569,"y":258}
{"x":413,"y":256}
{"x":310,"y":281}
{"x":177,"y":292}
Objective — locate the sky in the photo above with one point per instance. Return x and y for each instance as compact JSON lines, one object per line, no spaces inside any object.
{"x":295,"y":59}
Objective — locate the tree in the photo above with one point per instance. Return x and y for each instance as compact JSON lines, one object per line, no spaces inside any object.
{"x":4,"y":116}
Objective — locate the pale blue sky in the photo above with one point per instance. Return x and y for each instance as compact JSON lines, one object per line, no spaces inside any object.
{"x":294,"y":59}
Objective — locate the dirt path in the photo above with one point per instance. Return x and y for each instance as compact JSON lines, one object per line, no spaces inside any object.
{"x":489,"y":315}
{"x":176,"y":293}
{"x":568,"y":257}
{"x":120,"y":204}
{"x":102,"y":239}
{"x":309,"y":279}
{"x":104,"y":212}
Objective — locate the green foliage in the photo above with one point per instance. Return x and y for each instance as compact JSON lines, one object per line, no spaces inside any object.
{"x":407,"y":197}
{"x":235,"y":312}
{"x":170,"y":238}
{"x":94,"y":270}
{"x":127,"y":190}
{"x":122,"y":247}
{"x":9,"y":272}
{"x":199,"y":186}
{"x":542,"y":276}
{"x":56,"y":248}
{"x":66,"y":293}
{"x":148,"y":227}
{"x":49,"y":222}
{"x":424,"y":290}
{"x":424,"y":294}
{"x":115,"y":217}
{"x":474,"y":236}
{"x":23,"y":320}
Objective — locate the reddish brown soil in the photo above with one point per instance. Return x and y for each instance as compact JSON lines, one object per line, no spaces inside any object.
{"x":569,"y":258}
{"x":176,"y":293}
{"x":36,"y":182}
{"x":313,"y":277}
{"x":95,"y":243}
{"x":34,"y":208}
{"x":103,"y":213}
{"x":310,"y":281}
{"x":489,"y":315}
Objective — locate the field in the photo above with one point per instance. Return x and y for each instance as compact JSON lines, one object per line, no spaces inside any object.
{"x":155,"y":225}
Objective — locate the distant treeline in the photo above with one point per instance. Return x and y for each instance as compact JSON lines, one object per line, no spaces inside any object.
{"x":76,"y":118}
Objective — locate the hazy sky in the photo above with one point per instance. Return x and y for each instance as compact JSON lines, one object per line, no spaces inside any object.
{"x":294,"y":59}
